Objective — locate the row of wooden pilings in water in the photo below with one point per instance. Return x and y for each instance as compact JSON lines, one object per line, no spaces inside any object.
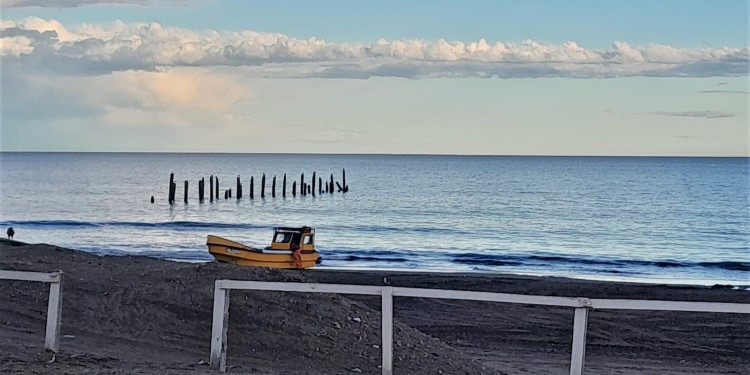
{"x":327,"y":187}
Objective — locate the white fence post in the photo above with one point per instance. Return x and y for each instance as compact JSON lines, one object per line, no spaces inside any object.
{"x":578,"y":352}
{"x":54,"y":305}
{"x":387,"y":321}
{"x":218,"y":359}
{"x":54,"y":313}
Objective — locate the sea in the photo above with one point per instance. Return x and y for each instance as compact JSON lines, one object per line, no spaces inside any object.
{"x":637,"y":219}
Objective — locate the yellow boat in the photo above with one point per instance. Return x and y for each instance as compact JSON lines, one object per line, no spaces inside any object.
{"x":278,"y":255}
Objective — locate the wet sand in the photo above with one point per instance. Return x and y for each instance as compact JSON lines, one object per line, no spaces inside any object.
{"x":133,"y":314}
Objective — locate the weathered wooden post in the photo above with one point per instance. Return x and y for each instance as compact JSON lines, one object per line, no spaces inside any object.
{"x":263,"y":186}
{"x":302,"y":185}
{"x":152,"y":199}
{"x":294,"y":188}
{"x":211,"y":193}
{"x":226,"y":194}
{"x":200,"y":190}
{"x":239,"y":188}
{"x":313,"y":184}
{"x":171,"y":194}
{"x":273,"y":187}
{"x":331,"y":185}
{"x":186,"y":191}
{"x":217,"y":188}
{"x":283,"y":187}
{"x":320,"y":186}
{"x":343,"y":180}
{"x":252,"y":187}
{"x":230,"y":193}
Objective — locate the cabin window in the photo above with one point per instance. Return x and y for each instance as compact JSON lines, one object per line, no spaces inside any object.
{"x":283,"y":237}
{"x":308,"y":240}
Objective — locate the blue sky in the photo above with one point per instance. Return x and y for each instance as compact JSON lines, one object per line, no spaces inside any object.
{"x":456,"y":77}
{"x":595,"y":24}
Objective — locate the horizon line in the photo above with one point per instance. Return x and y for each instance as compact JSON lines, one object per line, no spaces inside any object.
{"x":374,"y":154}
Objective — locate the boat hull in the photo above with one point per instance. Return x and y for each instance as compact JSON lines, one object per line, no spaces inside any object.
{"x":229,"y":251}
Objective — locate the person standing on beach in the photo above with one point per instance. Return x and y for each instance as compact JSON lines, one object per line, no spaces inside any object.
{"x":296,"y":253}
{"x":10,"y":232}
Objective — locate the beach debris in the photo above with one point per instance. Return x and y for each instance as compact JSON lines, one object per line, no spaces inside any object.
{"x":357,"y":369}
{"x":69,"y":336}
{"x":337,"y":325}
{"x":358,"y":320}
{"x":52,"y":360}
{"x":202,"y":362}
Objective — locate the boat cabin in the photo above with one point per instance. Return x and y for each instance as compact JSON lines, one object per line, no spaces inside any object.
{"x":283,"y":237}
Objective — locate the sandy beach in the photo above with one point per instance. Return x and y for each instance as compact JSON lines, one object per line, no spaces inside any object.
{"x":131,"y":314}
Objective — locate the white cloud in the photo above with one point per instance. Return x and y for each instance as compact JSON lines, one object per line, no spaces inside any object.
{"x":16,"y":45}
{"x":103,"y":48}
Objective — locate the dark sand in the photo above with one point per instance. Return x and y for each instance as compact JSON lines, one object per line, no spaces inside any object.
{"x":140,"y":315}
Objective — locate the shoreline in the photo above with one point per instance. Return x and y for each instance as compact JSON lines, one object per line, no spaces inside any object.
{"x":613,"y":279}
{"x":723,"y":283}
{"x":134,"y":314}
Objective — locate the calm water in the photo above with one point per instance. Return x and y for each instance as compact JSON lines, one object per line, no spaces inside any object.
{"x":672,"y":219}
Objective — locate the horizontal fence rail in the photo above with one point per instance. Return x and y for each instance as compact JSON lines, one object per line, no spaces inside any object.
{"x":54,"y":306}
{"x":580,"y":304}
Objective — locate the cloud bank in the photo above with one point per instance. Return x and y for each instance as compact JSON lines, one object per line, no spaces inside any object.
{"x":86,"y":49}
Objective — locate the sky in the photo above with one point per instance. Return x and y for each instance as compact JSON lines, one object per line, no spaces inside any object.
{"x":535,"y":77}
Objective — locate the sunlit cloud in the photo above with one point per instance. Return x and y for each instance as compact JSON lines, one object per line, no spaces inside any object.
{"x":180,"y":97}
{"x":119,"y":46}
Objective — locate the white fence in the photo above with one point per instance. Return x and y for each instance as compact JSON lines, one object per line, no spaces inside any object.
{"x":54,"y":306}
{"x":580,"y":320}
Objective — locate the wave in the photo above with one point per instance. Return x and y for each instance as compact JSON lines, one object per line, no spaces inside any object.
{"x":610,"y":265}
{"x":421,"y":230}
{"x":375,"y":259}
{"x":174,"y":225}
{"x":734,"y":266}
